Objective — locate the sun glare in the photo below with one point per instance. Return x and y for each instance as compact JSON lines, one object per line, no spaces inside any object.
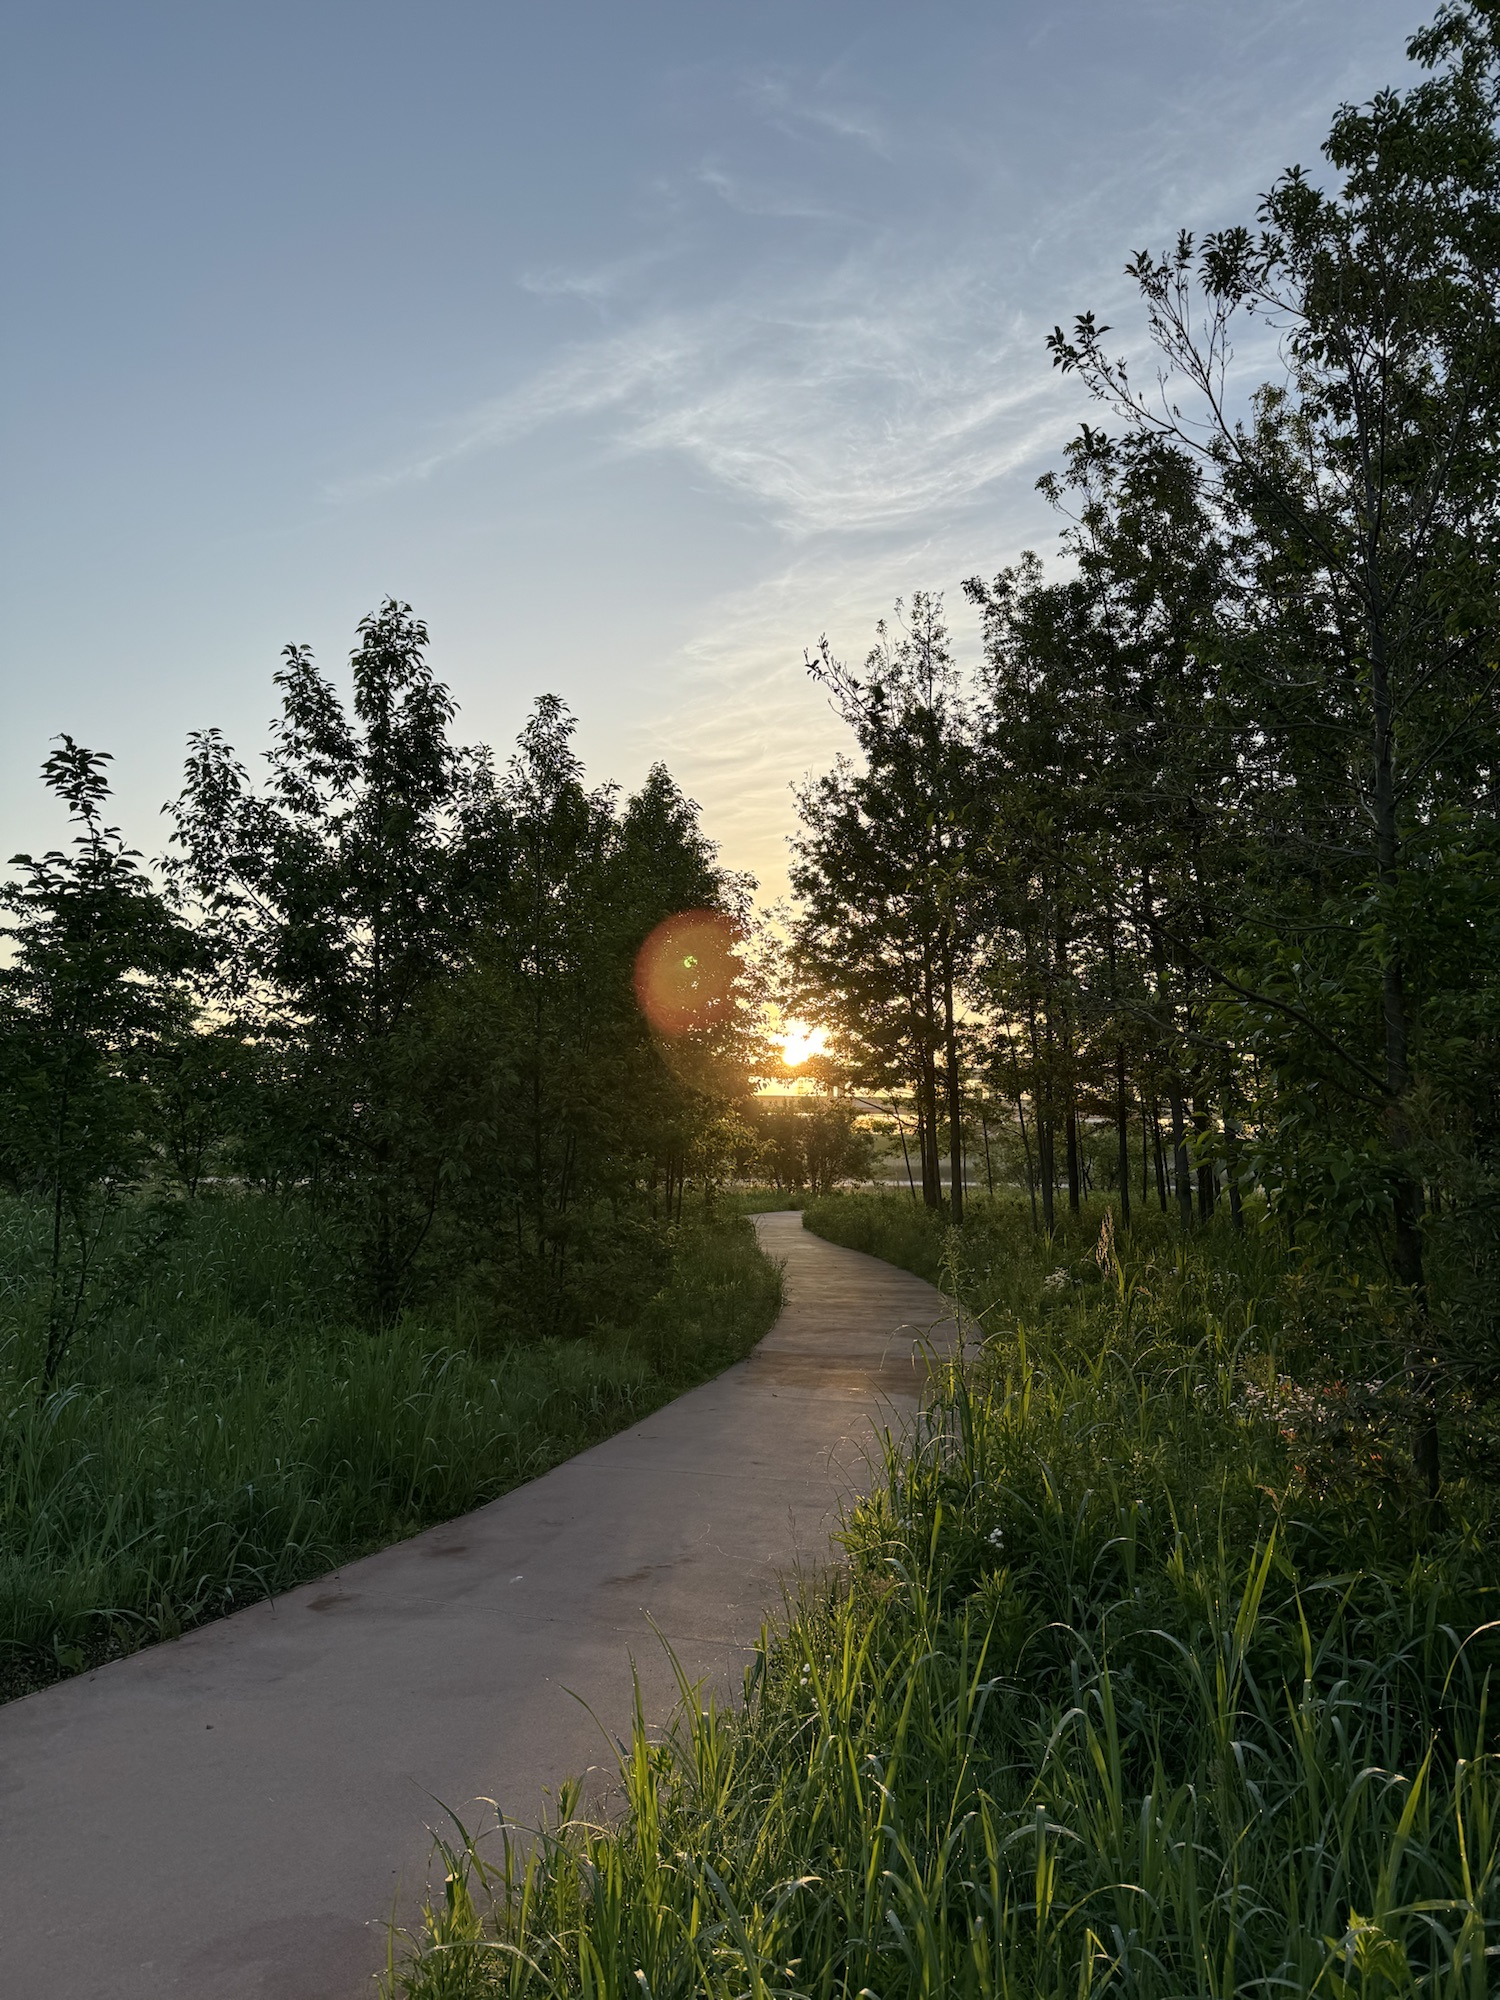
{"x":799,"y":1043}
{"x":685,"y":972}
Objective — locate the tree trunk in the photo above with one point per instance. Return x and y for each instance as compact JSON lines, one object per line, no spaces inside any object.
{"x":932,"y":1178}
{"x":55,"y":1342}
{"x":1207,"y":1184}
{"x":1122,"y":1101}
{"x":906,"y":1156}
{"x":1074,"y":1175}
{"x":955,"y":1099}
{"x":1070,"y":1122}
{"x":1046,"y":1131}
{"x":1180,"y":1165}
{"x":1405,"y":1193}
{"x":1232,"y":1150}
{"x":1145,"y":1151}
{"x":1031,"y":1043}
{"x":1026,"y":1144}
{"x":1159,"y":1158}
{"x":1182,"y":1174}
{"x":1122,"y":1132}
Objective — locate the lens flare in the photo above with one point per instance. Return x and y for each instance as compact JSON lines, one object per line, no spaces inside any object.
{"x":685,"y":971}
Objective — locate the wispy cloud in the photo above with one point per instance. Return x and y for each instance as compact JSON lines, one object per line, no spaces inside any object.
{"x":794,"y":106}
{"x":614,"y":279}
{"x":875,"y":414}
{"x":858,"y":404}
{"x":898,"y":376}
{"x":743,"y":723}
{"x":608,"y":375}
{"x":753,"y":198}
{"x":878,"y":395}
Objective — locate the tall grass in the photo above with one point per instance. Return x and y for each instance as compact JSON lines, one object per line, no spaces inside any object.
{"x":1123,"y":1691}
{"x":230,"y":1434}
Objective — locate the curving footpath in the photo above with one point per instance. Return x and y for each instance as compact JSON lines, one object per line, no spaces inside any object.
{"x":231,"y":1815}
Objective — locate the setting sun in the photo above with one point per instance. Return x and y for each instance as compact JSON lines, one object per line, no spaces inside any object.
{"x":799,"y":1043}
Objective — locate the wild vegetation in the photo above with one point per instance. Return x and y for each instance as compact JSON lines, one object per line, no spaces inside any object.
{"x":235,"y":1428}
{"x":345,"y":1156}
{"x":1208,"y":840}
{"x":1147,"y":1673}
{"x":1160,"y":1661}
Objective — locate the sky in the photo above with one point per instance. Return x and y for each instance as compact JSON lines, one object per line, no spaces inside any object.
{"x":636,"y":346}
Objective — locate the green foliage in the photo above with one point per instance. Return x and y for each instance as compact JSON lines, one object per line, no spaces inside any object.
{"x":1217,"y":820}
{"x":87,"y":995}
{"x":880,"y":870}
{"x":230,"y":1432}
{"x":1123,"y":1692}
{"x":888,"y":1226}
{"x":809,"y":1144}
{"x":319,"y":1174}
{"x":427,"y":963}
{"x":569,"y":1130}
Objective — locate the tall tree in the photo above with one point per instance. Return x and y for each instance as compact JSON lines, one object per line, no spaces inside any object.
{"x":1363,"y":490}
{"x":328,"y":898}
{"x":879,"y":862}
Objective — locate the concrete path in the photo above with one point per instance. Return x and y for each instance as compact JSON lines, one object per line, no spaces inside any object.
{"x":231,"y":1815}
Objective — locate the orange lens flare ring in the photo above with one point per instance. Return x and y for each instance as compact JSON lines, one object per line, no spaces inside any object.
{"x":685,"y":971}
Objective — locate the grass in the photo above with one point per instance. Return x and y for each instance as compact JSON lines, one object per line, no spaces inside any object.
{"x":758,"y":1200}
{"x":1151,"y":1674}
{"x":230,"y":1435}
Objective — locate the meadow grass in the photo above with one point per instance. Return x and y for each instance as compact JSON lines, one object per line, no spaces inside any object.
{"x":758,"y":1201}
{"x":1135,"y":1682}
{"x":230,"y":1434}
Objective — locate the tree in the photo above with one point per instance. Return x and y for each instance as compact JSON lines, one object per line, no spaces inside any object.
{"x":328,"y":899}
{"x":86,"y":997}
{"x":879,"y":866}
{"x":812,"y":1142}
{"x":428,"y":960}
{"x":1114,"y":755}
{"x":1362,"y":493}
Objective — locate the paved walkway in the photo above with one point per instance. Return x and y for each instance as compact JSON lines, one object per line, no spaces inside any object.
{"x":229,"y":1816}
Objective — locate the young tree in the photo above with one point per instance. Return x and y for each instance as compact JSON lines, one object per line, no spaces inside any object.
{"x":328,"y":900}
{"x":880,"y":863}
{"x":1115,"y":755}
{"x":576,"y":1127}
{"x":88,"y":993}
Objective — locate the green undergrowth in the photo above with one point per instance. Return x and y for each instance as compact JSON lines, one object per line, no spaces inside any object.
{"x":230,"y":1434}
{"x":758,"y":1200}
{"x":1139,"y":1680}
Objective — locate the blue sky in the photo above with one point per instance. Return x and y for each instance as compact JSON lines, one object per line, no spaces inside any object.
{"x":634,"y":345}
